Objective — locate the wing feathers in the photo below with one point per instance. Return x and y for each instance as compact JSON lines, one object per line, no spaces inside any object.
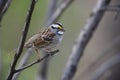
{"x":40,"y":39}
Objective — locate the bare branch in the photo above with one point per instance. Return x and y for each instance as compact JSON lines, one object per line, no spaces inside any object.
{"x":22,"y":41}
{"x":51,"y":9}
{"x":112,"y":8}
{"x":59,"y":11}
{"x":83,"y":39}
{"x":4,"y":4}
{"x":37,"y":61}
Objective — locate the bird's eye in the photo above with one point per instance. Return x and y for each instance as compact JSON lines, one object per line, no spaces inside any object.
{"x":53,"y":27}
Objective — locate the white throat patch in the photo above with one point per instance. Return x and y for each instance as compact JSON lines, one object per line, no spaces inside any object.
{"x":60,"y":32}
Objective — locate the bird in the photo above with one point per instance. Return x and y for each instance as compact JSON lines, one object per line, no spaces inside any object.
{"x":47,"y":39}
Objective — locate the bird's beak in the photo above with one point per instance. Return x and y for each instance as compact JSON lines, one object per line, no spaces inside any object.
{"x":63,"y":30}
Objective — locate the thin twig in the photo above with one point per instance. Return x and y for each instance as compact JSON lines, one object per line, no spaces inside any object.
{"x":37,"y":61}
{"x":113,"y":8}
{"x":4,"y":4}
{"x":83,"y":39}
{"x":22,"y":41}
{"x":58,"y":12}
{"x":51,"y":10}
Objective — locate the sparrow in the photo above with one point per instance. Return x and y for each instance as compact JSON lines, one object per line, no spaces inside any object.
{"x":47,"y":39}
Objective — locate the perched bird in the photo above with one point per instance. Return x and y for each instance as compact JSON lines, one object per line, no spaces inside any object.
{"x":47,"y":39}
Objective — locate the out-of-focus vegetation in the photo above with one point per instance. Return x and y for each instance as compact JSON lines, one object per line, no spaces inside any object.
{"x":73,"y":20}
{"x":11,"y":30}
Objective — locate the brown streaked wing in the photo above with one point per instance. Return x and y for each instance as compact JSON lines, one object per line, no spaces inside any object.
{"x":44,"y":41}
{"x":39,"y":42}
{"x":30,"y":41}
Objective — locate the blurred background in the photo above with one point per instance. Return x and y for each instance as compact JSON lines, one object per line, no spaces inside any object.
{"x":100,"y":48}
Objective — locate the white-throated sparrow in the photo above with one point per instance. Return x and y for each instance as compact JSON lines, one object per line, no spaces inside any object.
{"x":47,"y":39}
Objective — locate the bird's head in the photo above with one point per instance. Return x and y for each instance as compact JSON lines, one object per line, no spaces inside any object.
{"x":57,"y":28}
